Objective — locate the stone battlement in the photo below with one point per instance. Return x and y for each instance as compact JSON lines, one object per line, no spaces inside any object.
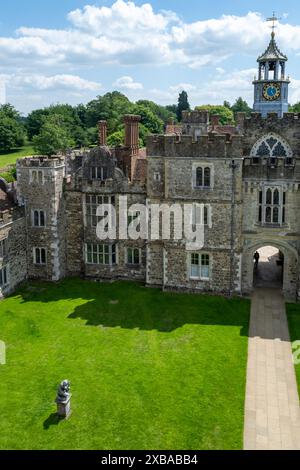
{"x":212,"y":145}
{"x":41,"y":161}
{"x":257,"y":118}
{"x":195,"y":117}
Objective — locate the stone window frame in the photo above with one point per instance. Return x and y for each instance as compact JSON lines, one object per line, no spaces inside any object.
{"x":272,"y":157}
{"x":133,"y":248}
{"x":41,"y":216}
{"x":99,"y":251}
{"x":90,"y":208}
{"x":264,"y":204}
{"x":99,"y":173}
{"x":157,"y":177}
{"x":35,"y":257}
{"x":40,"y":176}
{"x":3,"y":247}
{"x":202,"y":165}
{"x":202,"y":255}
{"x":4,"y":276}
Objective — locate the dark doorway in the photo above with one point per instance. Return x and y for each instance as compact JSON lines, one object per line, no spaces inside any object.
{"x":268,"y":270}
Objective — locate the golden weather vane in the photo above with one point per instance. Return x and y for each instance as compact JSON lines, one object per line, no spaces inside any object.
{"x":274,"y":19}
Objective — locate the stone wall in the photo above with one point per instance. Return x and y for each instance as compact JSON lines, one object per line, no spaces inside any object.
{"x":12,"y":228}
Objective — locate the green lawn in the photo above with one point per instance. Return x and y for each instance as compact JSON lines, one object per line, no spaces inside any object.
{"x":293,"y":315}
{"x":149,"y":370}
{"x":9,"y":158}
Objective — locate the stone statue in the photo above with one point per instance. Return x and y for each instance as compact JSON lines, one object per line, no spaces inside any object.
{"x":63,"y":399}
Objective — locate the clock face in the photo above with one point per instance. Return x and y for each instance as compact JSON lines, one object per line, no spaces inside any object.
{"x":271,"y":91}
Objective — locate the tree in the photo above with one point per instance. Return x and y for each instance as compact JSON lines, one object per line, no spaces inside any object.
{"x":116,"y":139}
{"x":183,"y":105}
{"x":12,"y":133}
{"x":162,"y":112}
{"x":241,"y":106}
{"x":110,"y":107}
{"x":148,"y":119}
{"x":295,"y":108}
{"x":53,"y":137}
{"x":226,"y":115}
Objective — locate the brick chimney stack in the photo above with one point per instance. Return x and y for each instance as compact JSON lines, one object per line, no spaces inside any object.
{"x":102,"y":133}
{"x":132,"y":132}
{"x":215,"y":120}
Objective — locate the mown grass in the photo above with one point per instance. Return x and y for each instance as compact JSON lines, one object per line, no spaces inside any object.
{"x":149,"y":370}
{"x":9,"y":158}
{"x":293,"y":316}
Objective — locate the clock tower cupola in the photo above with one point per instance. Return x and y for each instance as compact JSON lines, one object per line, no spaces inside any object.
{"x":271,"y":87}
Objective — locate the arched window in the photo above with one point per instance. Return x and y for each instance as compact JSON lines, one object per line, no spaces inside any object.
{"x":272,"y":146}
{"x":199,"y":177}
{"x":207,"y":177}
{"x":271,"y":206}
{"x":269,"y":196}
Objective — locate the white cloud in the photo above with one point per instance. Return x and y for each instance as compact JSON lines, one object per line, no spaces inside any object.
{"x":56,"y":82}
{"x":126,"y":33}
{"x":182,"y":86}
{"x":127,"y":83}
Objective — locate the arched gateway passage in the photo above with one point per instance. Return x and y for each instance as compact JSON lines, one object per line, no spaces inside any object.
{"x":277,"y":267}
{"x":268,"y":266}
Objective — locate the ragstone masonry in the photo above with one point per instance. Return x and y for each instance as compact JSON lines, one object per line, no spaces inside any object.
{"x":247,"y":177}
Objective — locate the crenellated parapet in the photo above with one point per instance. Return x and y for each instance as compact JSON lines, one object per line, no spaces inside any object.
{"x":195,"y":117}
{"x":41,"y":161}
{"x":256,"y":119}
{"x":206,"y":146}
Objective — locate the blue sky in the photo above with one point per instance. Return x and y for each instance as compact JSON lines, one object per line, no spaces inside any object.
{"x":73,"y":50}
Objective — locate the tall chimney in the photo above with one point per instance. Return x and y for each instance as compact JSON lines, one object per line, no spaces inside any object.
{"x":132,"y":132}
{"x":102,"y":133}
{"x":215,"y":120}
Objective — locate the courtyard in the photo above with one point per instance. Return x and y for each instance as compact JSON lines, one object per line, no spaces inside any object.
{"x":148,"y":370}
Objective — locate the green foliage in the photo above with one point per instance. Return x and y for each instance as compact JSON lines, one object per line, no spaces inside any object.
{"x":70,"y":118}
{"x":10,"y":174}
{"x":148,"y":369}
{"x":226,"y":115}
{"x":12,"y":133}
{"x":183,"y":104}
{"x":116,"y":139}
{"x":162,"y":112}
{"x":295,"y":108}
{"x":241,"y":106}
{"x":148,"y":119}
{"x":111,"y":107}
{"x":53,"y":137}
{"x":10,"y":157}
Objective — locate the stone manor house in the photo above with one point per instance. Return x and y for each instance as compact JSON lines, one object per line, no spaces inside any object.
{"x":247,"y":176}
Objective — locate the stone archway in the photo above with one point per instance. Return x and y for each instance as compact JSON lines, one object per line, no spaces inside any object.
{"x":268,"y":264}
{"x":290,"y":266}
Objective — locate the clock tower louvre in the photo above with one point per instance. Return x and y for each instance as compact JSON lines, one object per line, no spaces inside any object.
{"x":271,"y":87}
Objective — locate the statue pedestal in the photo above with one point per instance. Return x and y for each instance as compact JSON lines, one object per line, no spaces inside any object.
{"x":64,"y":408}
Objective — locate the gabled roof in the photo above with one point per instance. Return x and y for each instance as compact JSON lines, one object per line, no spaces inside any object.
{"x":272,"y":52}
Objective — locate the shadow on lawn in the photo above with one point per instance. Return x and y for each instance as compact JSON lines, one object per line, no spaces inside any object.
{"x":130,"y":305}
{"x":52,"y":420}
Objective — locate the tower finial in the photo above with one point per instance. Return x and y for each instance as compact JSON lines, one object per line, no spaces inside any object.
{"x":273,"y":19}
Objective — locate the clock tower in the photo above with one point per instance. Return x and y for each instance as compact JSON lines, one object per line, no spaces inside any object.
{"x":271,"y":87}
